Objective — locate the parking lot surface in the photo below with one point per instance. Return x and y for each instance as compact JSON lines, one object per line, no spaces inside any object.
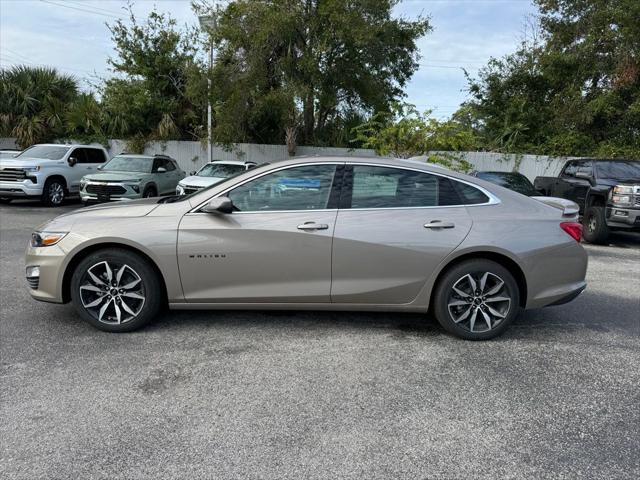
{"x":320,"y":395}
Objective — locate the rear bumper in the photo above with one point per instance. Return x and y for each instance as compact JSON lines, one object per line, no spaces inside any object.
{"x":627,"y":218}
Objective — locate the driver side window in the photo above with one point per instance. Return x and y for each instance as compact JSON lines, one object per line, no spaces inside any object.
{"x":298,"y":188}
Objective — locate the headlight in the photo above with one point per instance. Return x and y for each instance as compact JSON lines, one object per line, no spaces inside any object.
{"x":179,"y":190}
{"x":31,"y":169}
{"x":83,"y":183}
{"x":46,"y":239}
{"x":621,"y":199}
{"x":622,"y":190}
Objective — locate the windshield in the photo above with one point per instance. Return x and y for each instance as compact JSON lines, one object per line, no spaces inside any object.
{"x":129,"y":164}
{"x":45,"y":152}
{"x":619,"y":170}
{"x":513,"y":181}
{"x":221,"y":170}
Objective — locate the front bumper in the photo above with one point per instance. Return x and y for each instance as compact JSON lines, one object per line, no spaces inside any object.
{"x":23,"y":189}
{"x":50,"y":261}
{"x":99,"y":192}
{"x":623,"y":217}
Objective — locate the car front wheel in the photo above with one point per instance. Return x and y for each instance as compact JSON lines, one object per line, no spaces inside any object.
{"x":595,"y":225}
{"x":476,"y":300}
{"x":53,"y":193}
{"x":116,"y":290}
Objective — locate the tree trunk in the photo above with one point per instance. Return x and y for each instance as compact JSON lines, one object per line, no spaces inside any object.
{"x":308,"y":119}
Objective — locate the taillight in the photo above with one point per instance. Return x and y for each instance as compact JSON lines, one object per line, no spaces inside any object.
{"x":574,"y":229}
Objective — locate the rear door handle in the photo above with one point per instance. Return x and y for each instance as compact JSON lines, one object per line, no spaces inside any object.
{"x":313,"y":226}
{"x":439,"y":224}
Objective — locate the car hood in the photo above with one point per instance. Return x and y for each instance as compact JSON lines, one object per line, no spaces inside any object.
{"x":612,"y":182}
{"x":27,"y":162}
{"x":196,"y":181}
{"x":102,"y":212}
{"x":114,"y":176}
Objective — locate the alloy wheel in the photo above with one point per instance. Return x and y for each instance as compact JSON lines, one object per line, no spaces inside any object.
{"x":479,"y":302}
{"x":112,"y":293}
{"x":56,"y":193}
{"x":592,"y":224}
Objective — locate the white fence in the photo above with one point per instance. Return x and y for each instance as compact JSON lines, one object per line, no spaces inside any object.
{"x":192,"y":155}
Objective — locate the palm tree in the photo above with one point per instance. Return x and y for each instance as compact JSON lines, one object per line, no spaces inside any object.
{"x":33,"y":103}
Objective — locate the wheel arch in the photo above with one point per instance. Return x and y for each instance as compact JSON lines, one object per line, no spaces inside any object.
{"x":88,"y":250}
{"x":57,"y":176}
{"x":507,"y":262}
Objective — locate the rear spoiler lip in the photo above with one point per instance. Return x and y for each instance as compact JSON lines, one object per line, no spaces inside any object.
{"x":569,"y":207}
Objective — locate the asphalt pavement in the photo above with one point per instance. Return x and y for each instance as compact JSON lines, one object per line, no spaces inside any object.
{"x":320,"y":395}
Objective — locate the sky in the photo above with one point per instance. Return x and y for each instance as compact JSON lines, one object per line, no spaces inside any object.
{"x":71,"y":35}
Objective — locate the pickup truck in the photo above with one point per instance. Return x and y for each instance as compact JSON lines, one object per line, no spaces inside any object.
{"x":48,"y":172}
{"x":607,"y":192}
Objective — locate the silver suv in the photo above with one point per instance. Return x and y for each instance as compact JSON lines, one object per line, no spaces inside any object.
{"x":128,"y":177}
{"x":49,"y":172}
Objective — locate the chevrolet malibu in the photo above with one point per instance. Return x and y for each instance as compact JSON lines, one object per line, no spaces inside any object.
{"x":320,"y":234}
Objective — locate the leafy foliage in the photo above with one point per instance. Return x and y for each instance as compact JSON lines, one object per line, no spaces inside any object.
{"x":152,"y":97}
{"x":307,"y":65}
{"x":574,"y":91}
{"x":405,"y":133}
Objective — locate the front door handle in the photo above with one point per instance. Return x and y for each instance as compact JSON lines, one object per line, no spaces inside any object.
{"x":313,"y":226}
{"x":439,"y":224}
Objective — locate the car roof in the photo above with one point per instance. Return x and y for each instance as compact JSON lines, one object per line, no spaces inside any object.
{"x":65,"y":145}
{"x":232,"y":162}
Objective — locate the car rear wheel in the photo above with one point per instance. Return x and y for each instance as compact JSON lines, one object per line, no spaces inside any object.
{"x":53,"y":192}
{"x":595,"y":225}
{"x":116,"y":290}
{"x":476,"y":300}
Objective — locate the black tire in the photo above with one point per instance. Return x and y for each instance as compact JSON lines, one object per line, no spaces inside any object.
{"x":482,"y":305}
{"x":5,"y":201}
{"x":119,"y":296}
{"x":594,"y":222}
{"x":54,"y":192}
{"x":149,"y":192}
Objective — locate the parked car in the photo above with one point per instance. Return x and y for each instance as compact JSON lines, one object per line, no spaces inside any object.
{"x":355,"y":234}
{"x":519,"y":183}
{"x":129,"y":177}
{"x":512,"y":180}
{"x":607,"y":192}
{"x":212,"y":173}
{"x":49,"y":172}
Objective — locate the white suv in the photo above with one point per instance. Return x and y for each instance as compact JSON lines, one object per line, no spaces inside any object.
{"x":50,"y":172}
{"x":212,"y":173}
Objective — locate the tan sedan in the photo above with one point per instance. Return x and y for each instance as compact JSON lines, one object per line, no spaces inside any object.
{"x":321,"y":233}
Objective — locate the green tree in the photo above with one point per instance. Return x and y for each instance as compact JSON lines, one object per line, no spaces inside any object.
{"x":309,"y":67}
{"x":574,"y":91}
{"x":34,"y":102}
{"x":405,"y":133}
{"x":152,"y":98}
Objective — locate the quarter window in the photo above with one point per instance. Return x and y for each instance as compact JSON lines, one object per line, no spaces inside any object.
{"x":298,"y":188}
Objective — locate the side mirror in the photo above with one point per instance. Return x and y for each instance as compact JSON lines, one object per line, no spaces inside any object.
{"x":100,"y":167}
{"x":192,"y":173}
{"x":161,"y":170}
{"x":219,"y":205}
{"x":72,"y":161}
